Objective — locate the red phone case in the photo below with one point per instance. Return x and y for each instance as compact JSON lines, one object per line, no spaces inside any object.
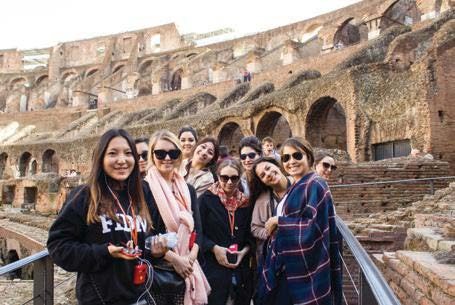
{"x":192,"y":239}
{"x":140,"y":274}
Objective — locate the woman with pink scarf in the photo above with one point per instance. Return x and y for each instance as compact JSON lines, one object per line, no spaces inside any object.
{"x":176,"y":211}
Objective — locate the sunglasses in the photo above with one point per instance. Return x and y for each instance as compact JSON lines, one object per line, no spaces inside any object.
{"x":143,"y":155}
{"x":226,"y":178}
{"x":161,"y":154}
{"x":296,"y":156}
{"x":250,"y":155}
{"x":328,"y":165}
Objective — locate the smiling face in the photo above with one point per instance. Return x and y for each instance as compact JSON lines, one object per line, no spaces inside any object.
{"x":269,"y":173}
{"x":247,"y":157}
{"x":167,"y":165}
{"x":229,"y":186}
{"x":118,"y":160}
{"x":324,"y":167}
{"x":203,"y":154}
{"x":295,"y":168}
{"x":188,"y":141}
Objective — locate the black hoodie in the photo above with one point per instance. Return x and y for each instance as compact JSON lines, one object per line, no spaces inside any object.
{"x":78,"y":247}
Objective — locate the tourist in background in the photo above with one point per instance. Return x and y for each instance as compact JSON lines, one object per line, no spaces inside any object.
{"x":177,"y":211}
{"x":188,"y":139}
{"x":304,"y":225}
{"x":324,"y":165}
{"x":226,"y":225}
{"x":268,"y":186}
{"x":224,"y":154}
{"x":142,"y":146}
{"x":249,"y":150}
{"x":268,"y":148}
{"x":197,"y":171}
{"x":102,"y":219}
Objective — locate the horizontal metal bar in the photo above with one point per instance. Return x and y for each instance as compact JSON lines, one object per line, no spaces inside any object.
{"x":24,"y":262}
{"x":391,"y":182}
{"x":381,"y":290}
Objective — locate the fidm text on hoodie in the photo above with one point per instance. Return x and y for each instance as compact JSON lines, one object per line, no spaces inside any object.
{"x":79,"y":247}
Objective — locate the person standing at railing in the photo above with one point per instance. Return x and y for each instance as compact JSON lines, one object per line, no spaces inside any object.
{"x":303,"y":265}
{"x":100,"y":234}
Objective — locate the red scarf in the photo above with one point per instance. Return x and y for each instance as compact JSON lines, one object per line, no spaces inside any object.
{"x":236,"y":201}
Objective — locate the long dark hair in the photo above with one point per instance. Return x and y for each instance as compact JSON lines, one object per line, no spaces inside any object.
{"x":257,"y":187}
{"x":101,"y":200}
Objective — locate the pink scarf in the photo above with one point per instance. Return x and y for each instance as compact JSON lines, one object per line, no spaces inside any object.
{"x":178,"y":218}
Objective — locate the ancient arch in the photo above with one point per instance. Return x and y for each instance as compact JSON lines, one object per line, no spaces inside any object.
{"x":50,"y":161}
{"x":145,"y":65}
{"x":176,"y":80}
{"x":68,"y":76}
{"x":191,"y":55}
{"x":118,"y":67}
{"x":91,"y":71}
{"x":3,"y":159}
{"x":399,"y":13}
{"x":24,"y":163}
{"x":325,"y":125}
{"x":33,"y":168}
{"x":41,"y":79}
{"x":230,"y":136}
{"x":16,"y":83}
{"x":275,"y":125}
{"x":347,"y":34}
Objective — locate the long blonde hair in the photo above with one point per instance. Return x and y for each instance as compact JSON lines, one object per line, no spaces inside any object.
{"x":165,"y":135}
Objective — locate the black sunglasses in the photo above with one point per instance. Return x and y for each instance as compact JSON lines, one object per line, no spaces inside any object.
{"x":250,"y":155}
{"x":161,"y":154}
{"x":328,"y":165}
{"x":143,"y":155}
{"x":226,"y":178}
{"x":296,"y":156}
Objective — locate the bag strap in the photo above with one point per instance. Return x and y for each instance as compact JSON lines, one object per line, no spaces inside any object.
{"x":98,"y":293}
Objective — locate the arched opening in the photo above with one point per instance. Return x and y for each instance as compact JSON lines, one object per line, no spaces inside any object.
{"x":90,"y":72}
{"x":117,"y":68}
{"x":326,"y":124}
{"x":144,"y":91}
{"x":42,"y":80}
{"x":400,"y":12}
{"x":145,"y":66}
{"x":24,"y":163}
{"x":33,"y":168}
{"x":311,"y":32}
{"x":230,"y":136}
{"x":68,"y":76}
{"x":191,"y":55}
{"x":17,"y":83}
{"x":50,"y":161}
{"x":3,"y":159}
{"x":347,"y":34}
{"x":30,"y":194}
{"x":176,"y":80}
{"x":274,"y":125}
{"x":8,"y":194}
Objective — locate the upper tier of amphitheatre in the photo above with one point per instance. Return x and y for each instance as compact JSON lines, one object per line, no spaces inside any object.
{"x":372,"y":79}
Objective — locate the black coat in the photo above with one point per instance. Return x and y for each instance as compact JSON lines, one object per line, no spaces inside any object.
{"x":216,"y":231}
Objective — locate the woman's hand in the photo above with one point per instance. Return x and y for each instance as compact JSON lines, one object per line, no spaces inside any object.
{"x":182,"y":265}
{"x":271,"y":224}
{"x":220,"y":255}
{"x":241,"y":255}
{"x":117,"y":252}
{"x":158,"y":247}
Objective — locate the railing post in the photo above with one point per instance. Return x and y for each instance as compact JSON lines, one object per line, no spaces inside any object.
{"x":43,"y":282}
{"x":432,"y":187}
{"x":366,"y":296}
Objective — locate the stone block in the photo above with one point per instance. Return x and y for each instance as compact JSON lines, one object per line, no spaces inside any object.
{"x":441,"y":298}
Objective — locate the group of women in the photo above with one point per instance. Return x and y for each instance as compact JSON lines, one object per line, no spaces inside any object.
{"x":255,"y":229}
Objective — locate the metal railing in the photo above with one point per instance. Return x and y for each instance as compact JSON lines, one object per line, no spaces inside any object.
{"x":43,"y":276}
{"x":430,"y":181}
{"x":373,"y":289}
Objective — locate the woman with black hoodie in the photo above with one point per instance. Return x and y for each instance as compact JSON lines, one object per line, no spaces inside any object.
{"x":101,"y":231}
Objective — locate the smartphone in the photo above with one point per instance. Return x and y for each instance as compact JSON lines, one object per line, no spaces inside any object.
{"x":231,"y":254}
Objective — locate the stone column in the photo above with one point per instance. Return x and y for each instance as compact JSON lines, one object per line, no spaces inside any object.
{"x":253,"y":62}
{"x":290,"y":52}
